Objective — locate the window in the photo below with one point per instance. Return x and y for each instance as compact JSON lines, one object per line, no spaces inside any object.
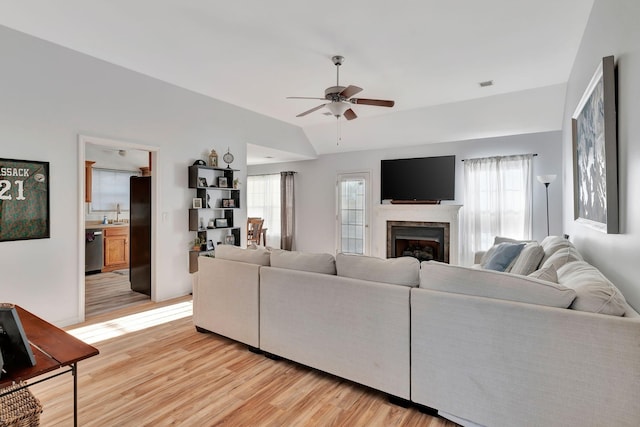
{"x":353,"y":213}
{"x":497,"y":201}
{"x":109,"y":188}
{"x":263,"y":201}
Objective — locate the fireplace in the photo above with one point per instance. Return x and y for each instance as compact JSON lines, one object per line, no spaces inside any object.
{"x":425,"y":241}
{"x":443,"y":215}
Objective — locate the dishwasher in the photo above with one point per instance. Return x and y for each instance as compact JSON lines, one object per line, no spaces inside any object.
{"x":93,"y":258}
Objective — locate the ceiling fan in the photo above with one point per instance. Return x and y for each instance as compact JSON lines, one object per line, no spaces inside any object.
{"x":340,"y":97}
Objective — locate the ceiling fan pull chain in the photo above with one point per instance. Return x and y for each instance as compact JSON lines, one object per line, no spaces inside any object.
{"x":339,"y":132}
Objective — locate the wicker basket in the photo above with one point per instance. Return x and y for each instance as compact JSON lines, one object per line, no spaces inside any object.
{"x":20,"y":408}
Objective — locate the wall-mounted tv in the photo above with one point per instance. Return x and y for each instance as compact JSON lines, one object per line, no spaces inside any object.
{"x":426,"y":179}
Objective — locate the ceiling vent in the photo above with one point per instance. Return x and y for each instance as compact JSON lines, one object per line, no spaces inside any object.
{"x":486,"y":83}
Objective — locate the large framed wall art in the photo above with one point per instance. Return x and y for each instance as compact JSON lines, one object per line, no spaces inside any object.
{"x":24,"y":199}
{"x":595,"y":153}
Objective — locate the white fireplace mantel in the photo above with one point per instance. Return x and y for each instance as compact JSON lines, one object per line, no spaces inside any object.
{"x":426,"y":213}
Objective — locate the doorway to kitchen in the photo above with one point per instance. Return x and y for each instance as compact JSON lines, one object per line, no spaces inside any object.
{"x":116,"y":232}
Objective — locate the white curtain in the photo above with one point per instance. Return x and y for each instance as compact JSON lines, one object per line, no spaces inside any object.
{"x":263,"y":201}
{"x":497,"y":202}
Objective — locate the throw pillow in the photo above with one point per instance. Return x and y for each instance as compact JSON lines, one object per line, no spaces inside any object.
{"x":528,"y":260}
{"x":561,"y":257}
{"x":502,"y":255}
{"x":552,"y":244}
{"x":548,"y":273}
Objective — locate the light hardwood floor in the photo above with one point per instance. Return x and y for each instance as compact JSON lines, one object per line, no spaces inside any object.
{"x":106,"y":292}
{"x":169,"y":374}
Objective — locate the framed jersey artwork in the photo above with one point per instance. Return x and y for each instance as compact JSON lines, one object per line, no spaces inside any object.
{"x":24,"y":200}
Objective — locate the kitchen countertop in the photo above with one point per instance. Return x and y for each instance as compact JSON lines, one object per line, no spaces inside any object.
{"x":92,"y":225}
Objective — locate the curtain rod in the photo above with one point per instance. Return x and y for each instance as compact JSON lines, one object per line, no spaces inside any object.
{"x":498,"y":157}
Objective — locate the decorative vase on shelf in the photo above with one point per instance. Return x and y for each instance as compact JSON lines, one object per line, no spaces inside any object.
{"x":213,"y":159}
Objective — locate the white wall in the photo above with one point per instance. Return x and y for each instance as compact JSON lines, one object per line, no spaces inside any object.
{"x":315,"y":181}
{"x":612,"y":30}
{"x":50,"y":95}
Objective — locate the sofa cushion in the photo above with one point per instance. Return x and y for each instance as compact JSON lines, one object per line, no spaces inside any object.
{"x":397,"y":271}
{"x":482,"y":256}
{"x":493,"y":284}
{"x":548,"y":274}
{"x":528,"y":260}
{"x":501,"y":255}
{"x":562,"y":257}
{"x":594,"y":292}
{"x":303,"y":261}
{"x":551,"y":244}
{"x":501,"y":239}
{"x":258,"y":256}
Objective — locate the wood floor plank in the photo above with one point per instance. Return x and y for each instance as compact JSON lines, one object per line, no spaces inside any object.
{"x":171,"y":375}
{"x":106,"y":292}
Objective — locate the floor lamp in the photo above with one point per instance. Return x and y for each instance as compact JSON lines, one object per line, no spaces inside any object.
{"x":546,"y":180}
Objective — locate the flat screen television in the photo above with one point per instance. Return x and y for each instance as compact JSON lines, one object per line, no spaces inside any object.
{"x":428,"y":179}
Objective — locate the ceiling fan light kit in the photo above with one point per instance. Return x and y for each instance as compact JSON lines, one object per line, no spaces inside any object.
{"x":340,"y":97}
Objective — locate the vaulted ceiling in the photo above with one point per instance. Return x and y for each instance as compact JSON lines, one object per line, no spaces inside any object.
{"x":427,"y":55}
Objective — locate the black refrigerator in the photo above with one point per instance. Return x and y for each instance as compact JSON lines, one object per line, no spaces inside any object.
{"x":140,"y":234}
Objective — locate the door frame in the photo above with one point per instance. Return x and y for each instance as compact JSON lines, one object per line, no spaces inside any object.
{"x":83,"y":140}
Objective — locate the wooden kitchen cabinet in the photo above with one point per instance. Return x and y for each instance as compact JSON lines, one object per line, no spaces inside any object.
{"x":116,"y":248}
{"x":88,"y":180}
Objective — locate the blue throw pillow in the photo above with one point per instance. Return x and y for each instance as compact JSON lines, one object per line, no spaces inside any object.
{"x":502,"y":255}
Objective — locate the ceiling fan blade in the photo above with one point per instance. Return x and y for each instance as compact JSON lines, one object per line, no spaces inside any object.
{"x":376,"y":102}
{"x":350,"y":114}
{"x":304,"y":97}
{"x":311,"y":110}
{"x":350,"y":90}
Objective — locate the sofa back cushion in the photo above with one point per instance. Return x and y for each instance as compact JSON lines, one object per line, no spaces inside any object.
{"x":493,"y":284}
{"x":397,"y":271}
{"x":594,"y":292}
{"x":303,"y":261}
{"x":259,"y":256}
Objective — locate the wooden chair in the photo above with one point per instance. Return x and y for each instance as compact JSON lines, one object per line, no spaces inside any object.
{"x":254,"y":230}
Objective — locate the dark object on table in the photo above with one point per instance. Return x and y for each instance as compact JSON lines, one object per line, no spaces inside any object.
{"x":16,"y":350}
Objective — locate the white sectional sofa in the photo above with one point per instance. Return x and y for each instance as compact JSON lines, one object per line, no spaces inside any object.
{"x":481,"y":347}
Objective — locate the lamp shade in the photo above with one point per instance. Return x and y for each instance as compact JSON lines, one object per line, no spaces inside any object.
{"x":338,"y":108}
{"x":546,"y":179}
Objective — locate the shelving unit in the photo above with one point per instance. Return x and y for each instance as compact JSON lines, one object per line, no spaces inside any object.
{"x":206,"y":181}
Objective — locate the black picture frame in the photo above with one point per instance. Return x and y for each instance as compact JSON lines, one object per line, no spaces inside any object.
{"x":16,"y":350}
{"x":221,"y":223}
{"x":223,"y":182}
{"x":595,"y":152}
{"x":202,"y":181}
{"x":24,"y":200}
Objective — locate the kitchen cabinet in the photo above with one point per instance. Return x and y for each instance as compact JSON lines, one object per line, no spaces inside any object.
{"x":116,"y":248}
{"x":88,"y":180}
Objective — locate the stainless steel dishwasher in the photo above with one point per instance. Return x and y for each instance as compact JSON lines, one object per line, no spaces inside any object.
{"x":93,"y":252}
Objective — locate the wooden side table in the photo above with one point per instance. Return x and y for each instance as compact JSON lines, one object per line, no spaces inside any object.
{"x":53,"y":349}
